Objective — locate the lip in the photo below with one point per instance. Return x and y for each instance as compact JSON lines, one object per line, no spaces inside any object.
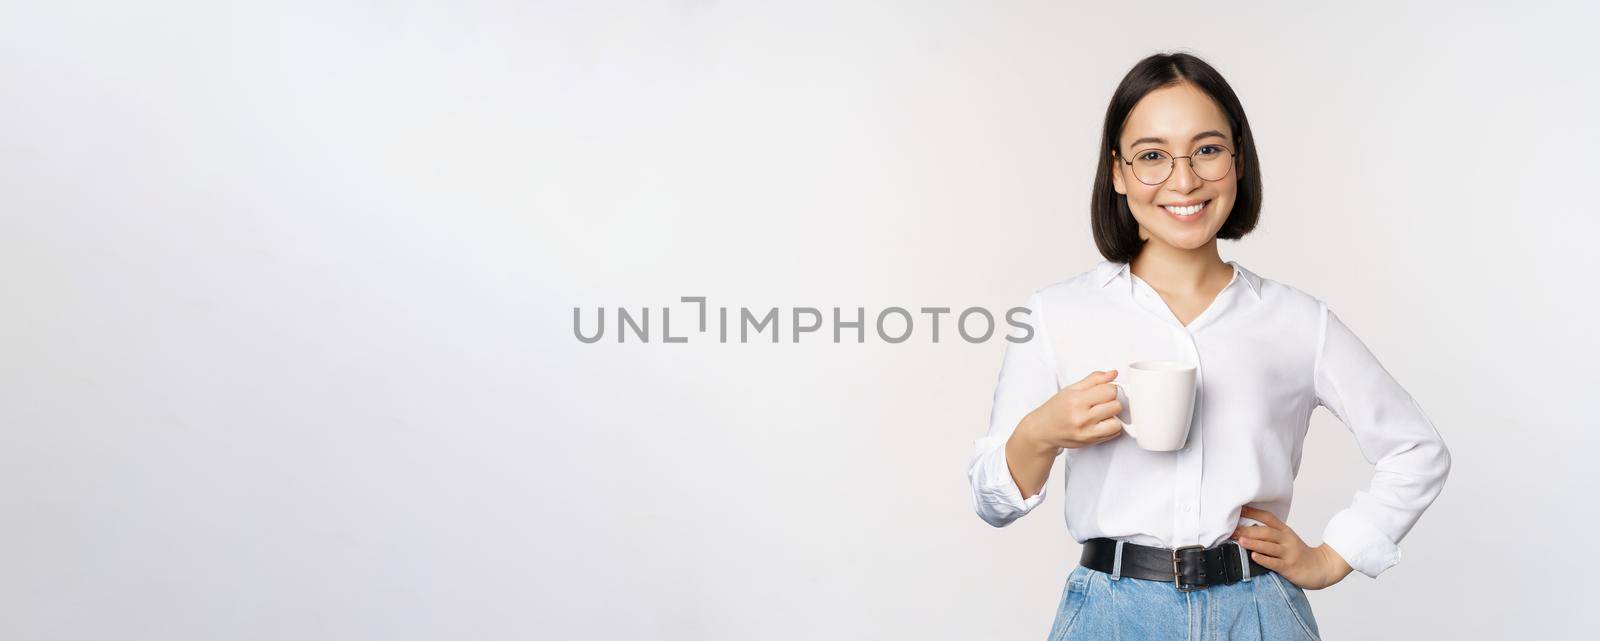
{"x":1184,"y":204}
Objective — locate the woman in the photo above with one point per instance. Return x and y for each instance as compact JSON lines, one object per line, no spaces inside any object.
{"x":1191,"y":544}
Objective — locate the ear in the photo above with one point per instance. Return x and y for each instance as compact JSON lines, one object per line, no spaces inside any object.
{"x":1116,"y":174}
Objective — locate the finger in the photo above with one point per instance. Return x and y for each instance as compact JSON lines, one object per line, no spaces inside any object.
{"x":1263,"y":516}
{"x":1104,"y":430}
{"x":1094,"y":378}
{"x":1268,"y":562}
{"x":1260,"y":533}
{"x":1098,"y":393}
{"x":1265,"y":547}
{"x":1105,"y":410}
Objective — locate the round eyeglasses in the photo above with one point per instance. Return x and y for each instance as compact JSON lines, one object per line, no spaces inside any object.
{"x":1211,"y":162}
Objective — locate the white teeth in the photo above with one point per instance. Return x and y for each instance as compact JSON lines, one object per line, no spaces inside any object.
{"x":1185,"y":211}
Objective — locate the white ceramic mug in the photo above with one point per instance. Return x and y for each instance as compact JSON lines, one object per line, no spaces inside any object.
{"x":1157,"y":403}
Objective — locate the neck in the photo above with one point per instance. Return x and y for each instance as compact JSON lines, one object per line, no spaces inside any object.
{"x":1172,"y":269}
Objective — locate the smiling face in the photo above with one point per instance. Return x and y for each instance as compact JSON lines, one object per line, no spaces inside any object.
{"x":1180,"y":120}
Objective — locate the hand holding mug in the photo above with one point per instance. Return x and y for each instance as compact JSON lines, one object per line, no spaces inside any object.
{"x":1081,"y":414}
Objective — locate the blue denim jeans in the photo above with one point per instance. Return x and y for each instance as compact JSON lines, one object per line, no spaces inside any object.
{"x":1096,"y":605}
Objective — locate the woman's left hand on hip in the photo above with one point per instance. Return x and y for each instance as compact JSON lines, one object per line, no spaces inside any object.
{"x":1276,"y":547}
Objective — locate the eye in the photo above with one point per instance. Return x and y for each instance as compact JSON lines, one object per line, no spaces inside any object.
{"x":1151,"y":156}
{"x":1208,"y":150}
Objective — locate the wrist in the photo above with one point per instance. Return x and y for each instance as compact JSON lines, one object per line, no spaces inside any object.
{"x":1337,"y":567}
{"x":1027,"y":439}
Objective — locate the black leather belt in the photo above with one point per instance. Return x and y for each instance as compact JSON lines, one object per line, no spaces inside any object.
{"x":1188,"y":568}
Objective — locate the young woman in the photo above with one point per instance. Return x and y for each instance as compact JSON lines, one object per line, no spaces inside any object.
{"x":1192,"y":544}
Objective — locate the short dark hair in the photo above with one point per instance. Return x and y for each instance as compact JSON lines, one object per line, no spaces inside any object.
{"x":1116,"y":232}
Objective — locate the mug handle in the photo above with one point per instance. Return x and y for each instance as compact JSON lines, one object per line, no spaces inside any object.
{"x":1126,"y":426}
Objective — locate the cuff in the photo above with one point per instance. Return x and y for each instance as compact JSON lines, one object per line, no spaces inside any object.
{"x":999,"y":488}
{"x":1366,"y":549}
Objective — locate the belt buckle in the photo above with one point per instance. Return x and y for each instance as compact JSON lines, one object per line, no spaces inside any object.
{"x":1177,"y":575}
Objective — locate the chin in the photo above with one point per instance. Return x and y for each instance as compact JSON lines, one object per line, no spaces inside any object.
{"x":1188,"y":241}
{"x":1187,"y":245}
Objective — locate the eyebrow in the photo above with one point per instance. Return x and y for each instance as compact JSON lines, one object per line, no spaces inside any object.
{"x":1163,"y":141}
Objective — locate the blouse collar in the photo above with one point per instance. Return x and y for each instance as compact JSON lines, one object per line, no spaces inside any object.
{"x":1112,"y":270}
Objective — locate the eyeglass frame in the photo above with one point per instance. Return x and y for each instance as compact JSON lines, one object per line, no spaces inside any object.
{"x":1172,"y":163}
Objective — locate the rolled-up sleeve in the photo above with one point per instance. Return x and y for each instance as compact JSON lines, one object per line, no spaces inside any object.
{"x":1027,"y":379}
{"x":1409,"y":458}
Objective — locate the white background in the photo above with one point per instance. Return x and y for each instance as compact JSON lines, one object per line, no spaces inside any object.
{"x":286,"y":347}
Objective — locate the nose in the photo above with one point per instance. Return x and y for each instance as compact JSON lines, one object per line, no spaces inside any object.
{"x":1184,"y":179}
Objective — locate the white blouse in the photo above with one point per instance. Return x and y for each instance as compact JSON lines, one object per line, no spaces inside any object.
{"x":1267,"y":354}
